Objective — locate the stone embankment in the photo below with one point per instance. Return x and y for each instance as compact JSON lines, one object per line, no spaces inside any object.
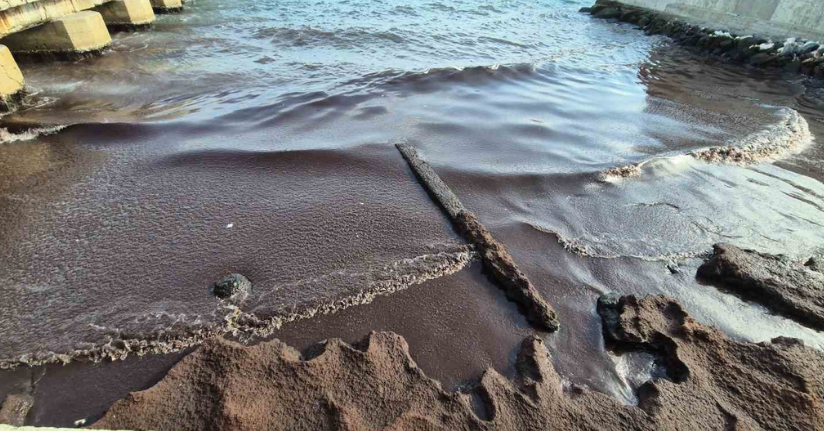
{"x":63,"y":29}
{"x":792,"y":54}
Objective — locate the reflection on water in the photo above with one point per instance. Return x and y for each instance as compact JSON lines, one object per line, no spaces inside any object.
{"x":256,"y":136}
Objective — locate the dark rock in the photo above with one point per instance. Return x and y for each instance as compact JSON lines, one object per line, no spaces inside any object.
{"x":703,"y":41}
{"x":726,"y":44}
{"x":585,"y":10}
{"x":808,"y":66}
{"x":597,"y":8}
{"x":818,"y":72}
{"x":781,"y":285}
{"x":743,"y":43}
{"x":692,"y":40}
{"x":762,"y":59}
{"x":814,"y":264}
{"x":608,"y":309}
{"x":234,"y":287}
{"x":607,"y":13}
{"x":809,"y":47}
{"x":643,"y":22}
{"x":793,"y":66}
{"x":629,"y":16}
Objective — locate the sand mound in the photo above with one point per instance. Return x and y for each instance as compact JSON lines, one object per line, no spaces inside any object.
{"x":716,"y":383}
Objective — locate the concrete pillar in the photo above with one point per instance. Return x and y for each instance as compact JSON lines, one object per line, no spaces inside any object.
{"x":11,"y":81}
{"x":127,"y":13}
{"x":165,"y":6}
{"x":78,"y":33}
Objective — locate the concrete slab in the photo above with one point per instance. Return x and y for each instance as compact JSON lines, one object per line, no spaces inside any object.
{"x":127,"y":12}
{"x":81,"y":32}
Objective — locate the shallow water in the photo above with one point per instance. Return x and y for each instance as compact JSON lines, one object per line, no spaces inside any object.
{"x":257,"y":137}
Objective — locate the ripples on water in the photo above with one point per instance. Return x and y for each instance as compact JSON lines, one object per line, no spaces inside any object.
{"x":256,"y":136}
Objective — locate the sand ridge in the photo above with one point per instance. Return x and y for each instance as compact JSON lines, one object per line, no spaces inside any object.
{"x":375,"y":384}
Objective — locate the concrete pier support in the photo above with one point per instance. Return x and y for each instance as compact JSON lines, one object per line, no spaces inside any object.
{"x":166,"y":6}
{"x":127,"y":13}
{"x":78,"y":33}
{"x":11,"y":81}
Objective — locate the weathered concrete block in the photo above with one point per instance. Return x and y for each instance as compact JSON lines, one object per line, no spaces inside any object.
{"x":167,"y":5}
{"x":127,"y":12}
{"x":76,"y":33}
{"x":11,"y":80}
{"x":30,"y":13}
{"x":15,"y":409}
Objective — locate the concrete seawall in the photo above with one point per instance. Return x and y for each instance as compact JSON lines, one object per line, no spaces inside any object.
{"x":773,"y":18}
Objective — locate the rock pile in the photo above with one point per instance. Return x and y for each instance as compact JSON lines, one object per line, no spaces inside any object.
{"x":793,"y":55}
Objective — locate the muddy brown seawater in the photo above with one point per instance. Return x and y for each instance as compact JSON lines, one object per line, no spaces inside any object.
{"x":130,"y":184}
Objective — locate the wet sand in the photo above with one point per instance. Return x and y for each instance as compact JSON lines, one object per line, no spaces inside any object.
{"x":376,"y":384}
{"x":440,"y":319}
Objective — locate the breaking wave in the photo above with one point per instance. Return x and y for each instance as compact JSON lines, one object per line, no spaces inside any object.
{"x":581,"y":248}
{"x":789,"y":136}
{"x":245,"y":326}
{"x":7,"y":137}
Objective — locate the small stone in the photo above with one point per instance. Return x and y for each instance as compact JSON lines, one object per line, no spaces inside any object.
{"x":813,"y":264}
{"x":234,"y":287}
{"x":609,"y":307}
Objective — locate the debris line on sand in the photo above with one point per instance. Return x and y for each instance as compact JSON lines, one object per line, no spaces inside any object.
{"x":497,"y":261}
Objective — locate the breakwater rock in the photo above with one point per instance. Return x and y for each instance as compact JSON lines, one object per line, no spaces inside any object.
{"x":793,"y":54}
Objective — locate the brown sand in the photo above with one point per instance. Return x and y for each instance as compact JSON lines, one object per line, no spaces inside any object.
{"x":716,"y":383}
{"x":778,"y":283}
{"x":497,"y":261}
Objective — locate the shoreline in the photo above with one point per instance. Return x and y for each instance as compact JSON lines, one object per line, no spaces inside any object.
{"x":797,"y":55}
{"x":376,"y":383}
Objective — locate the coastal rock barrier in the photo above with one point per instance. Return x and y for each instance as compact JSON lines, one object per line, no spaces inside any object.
{"x":792,"y":55}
